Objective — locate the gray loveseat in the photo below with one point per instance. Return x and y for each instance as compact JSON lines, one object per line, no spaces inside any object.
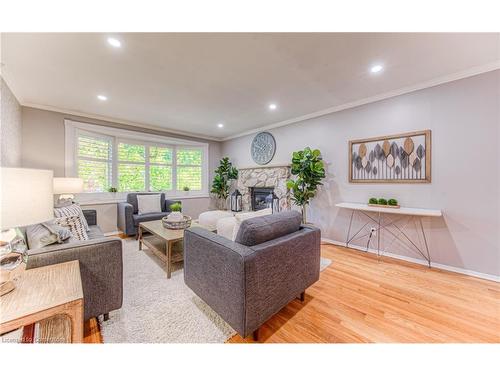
{"x":273,"y":260}
{"x":101,"y":267}
{"x":129,"y":217}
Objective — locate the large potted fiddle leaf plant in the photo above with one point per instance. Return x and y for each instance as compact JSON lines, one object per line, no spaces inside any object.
{"x":221,"y":184}
{"x":309,"y":169}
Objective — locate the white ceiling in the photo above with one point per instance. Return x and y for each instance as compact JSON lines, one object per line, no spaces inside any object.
{"x":191,"y":82}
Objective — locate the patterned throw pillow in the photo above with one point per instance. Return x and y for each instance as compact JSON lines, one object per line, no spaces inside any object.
{"x":71,"y":210}
{"x":75,"y":225}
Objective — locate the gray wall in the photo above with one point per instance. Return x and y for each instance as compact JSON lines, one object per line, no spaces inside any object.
{"x":43,"y":147}
{"x":10,"y":128}
{"x":464,"y":119}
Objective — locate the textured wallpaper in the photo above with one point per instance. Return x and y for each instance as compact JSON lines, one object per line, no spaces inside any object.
{"x":10,"y":128}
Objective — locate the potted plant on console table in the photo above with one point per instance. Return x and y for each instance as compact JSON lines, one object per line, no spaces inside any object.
{"x":224,"y":174}
{"x":308,"y":166}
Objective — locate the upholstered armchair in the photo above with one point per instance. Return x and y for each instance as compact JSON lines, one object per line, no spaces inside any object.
{"x":273,"y":260}
{"x":129,"y":217}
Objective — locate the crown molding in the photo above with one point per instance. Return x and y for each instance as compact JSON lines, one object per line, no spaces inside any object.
{"x":405,"y":90}
{"x":91,"y":116}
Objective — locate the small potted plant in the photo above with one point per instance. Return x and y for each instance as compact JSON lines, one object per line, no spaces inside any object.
{"x":176,"y":214}
{"x":186,"y":190}
{"x":382,"y":202}
{"x":392,"y":202}
{"x":113,"y":190}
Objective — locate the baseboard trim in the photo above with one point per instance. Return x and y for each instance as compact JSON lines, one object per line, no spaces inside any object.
{"x":445,"y":267}
{"x":115,"y":233}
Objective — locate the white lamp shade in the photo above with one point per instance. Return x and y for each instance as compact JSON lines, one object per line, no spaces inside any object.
{"x":26,"y":197}
{"x":67,"y":185}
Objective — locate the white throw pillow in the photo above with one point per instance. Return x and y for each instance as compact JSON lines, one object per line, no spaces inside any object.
{"x":225,"y":227}
{"x":148,"y":203}
{"x":248,"y":215}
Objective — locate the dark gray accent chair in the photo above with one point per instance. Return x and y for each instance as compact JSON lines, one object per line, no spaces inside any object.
{"x":273,"y":260}
{"x":128,"y":213}
{"x":101,"y":267}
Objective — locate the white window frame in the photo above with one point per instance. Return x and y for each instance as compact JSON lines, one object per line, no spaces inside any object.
{"x":73,"y":128}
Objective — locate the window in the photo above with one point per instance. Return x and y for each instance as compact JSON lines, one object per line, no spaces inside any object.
{"x":131,"y":167}
{"x":94,"y":161}
{"x":160,"y":168}
{"x":131,"y":161}
{"x":189,"y":171}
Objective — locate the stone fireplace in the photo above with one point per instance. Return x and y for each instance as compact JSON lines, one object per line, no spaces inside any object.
{"x":272,"y":178}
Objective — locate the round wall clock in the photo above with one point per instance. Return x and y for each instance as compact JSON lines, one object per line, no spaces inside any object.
{"x":263,"y":148}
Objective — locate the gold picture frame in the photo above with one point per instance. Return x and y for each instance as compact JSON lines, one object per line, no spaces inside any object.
{"x":399,"y":158}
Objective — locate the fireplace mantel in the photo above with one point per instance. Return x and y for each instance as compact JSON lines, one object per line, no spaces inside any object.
{"x":267,"y":166}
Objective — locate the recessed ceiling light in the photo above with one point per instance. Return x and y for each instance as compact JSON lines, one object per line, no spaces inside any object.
{"x":220,"y":125}
{"x":272,"y":106}
{"x":114,"y":42}
{"x":376,"y":68}
{"x":102,"y":97}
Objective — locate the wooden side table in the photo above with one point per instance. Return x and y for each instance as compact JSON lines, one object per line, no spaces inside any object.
{"x":43,"y":293}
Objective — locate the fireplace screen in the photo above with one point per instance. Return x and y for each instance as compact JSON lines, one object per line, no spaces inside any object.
{"x":258,"y":197}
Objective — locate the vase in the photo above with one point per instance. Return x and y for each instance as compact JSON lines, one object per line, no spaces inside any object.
{"x":222,"y":203}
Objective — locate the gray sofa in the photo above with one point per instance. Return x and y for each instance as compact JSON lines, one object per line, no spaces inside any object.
{"x":128,"y":213}
{"x":273,"y":260}
{"x":101,"y":267}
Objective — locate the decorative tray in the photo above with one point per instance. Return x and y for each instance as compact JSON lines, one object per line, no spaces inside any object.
{"x":182,"y":224}
{"x":383,"y":205}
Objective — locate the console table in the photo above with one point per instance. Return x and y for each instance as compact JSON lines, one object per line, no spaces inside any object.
{"x":395,"y":225}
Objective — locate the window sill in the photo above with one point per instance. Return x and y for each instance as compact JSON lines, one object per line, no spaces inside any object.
{"x":84,"y":200}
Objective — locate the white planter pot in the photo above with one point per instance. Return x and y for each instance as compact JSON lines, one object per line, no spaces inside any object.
{"x":175,"y":216}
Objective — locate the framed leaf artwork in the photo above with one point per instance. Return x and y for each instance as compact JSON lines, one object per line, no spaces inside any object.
{"x":400,"y":158}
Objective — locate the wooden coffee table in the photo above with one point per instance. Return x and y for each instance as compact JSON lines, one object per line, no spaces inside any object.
{"x":165,"y":243}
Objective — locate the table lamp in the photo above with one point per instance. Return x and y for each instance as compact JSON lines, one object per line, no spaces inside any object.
{"x":26,"y":198}
{"x":66,"y":187}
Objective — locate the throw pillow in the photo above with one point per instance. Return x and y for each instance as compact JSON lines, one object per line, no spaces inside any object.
{"x":62,"y":233}
{"x":262,"y":229}
{"x":148,"y":203}
{"x":44,"y":234}
{"x":75,"y":225}
{"x":248,"y":215}
{"x":72,"y":210}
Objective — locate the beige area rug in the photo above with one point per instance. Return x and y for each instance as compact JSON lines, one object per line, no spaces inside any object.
{"x":160,"y":310}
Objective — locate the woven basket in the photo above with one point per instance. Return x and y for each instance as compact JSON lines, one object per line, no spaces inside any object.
{"x":183,"y":224}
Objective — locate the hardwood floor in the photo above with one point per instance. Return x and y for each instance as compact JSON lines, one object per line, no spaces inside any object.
{"x":92,"y":332}
{"x":360,"y":298}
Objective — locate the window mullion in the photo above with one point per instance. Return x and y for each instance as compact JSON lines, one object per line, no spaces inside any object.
{"x":114,"y":163}
{"x":174,"y":169}
{"x":147,"y":184}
